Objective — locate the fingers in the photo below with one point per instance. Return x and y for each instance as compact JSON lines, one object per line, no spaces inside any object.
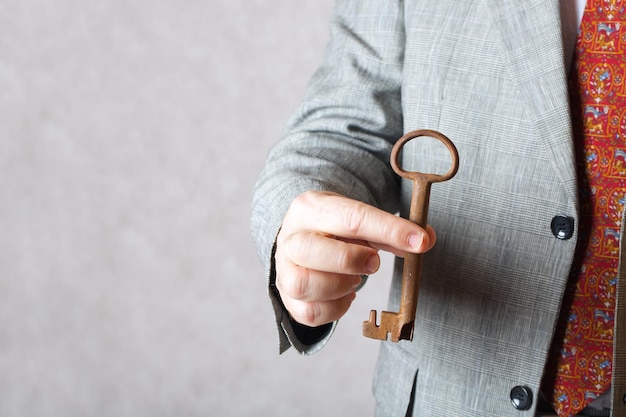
{"x":340,"y":216}
{"x":325,"y":253}
{"x":316,"y":298}
{"x":309,"y":285}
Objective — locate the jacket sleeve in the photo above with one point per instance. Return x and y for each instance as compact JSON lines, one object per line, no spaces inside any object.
{"x":340,"y":138}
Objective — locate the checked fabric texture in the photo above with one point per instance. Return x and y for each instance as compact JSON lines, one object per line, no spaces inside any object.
{"x":583,"y":365}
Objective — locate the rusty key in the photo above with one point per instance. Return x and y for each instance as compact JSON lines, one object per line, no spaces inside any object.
{"x":400,"y":325}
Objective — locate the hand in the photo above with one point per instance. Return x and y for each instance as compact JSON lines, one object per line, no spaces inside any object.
{"x":326,"y":243}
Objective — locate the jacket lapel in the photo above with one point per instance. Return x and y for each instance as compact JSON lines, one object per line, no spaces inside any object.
{"x":533,"y":48}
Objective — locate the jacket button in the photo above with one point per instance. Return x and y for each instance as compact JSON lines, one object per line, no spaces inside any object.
{"x":562,"y":227}
{"x":521,"y":397}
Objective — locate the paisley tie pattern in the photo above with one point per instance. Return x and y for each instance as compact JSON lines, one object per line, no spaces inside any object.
{"x":583,"y":366}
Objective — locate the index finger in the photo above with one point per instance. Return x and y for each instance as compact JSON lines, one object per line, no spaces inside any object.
{"x":347,"y":218}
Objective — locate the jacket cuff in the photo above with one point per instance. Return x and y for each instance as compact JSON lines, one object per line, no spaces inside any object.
{"x":304,"y":339}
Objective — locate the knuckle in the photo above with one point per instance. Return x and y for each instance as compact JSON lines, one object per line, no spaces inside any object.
{"x":301,"y":200}
{"x":352,"y":218}
{"x":299,"y":284}
{"x":293,"y":283}
{"x":295,"y":246}
{"x":309,"y":314}
{"x":393,"y":234}
{"x":307,"y":199}
{"x":345,"y":260}
{"x":298,"y":207}
{"x":304,"y":252}
{"x":352,"y":259}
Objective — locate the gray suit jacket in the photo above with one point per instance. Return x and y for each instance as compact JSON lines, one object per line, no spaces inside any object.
{"x":490,"y":75}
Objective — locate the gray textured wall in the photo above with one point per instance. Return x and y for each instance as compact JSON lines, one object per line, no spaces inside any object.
{"x":131,"y":134}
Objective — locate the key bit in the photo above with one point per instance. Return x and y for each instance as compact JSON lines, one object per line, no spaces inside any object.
{"x":399,"y":326}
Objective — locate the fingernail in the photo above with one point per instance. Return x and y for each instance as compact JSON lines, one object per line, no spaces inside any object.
{"x":372,"y":264}
{"x":416,"y":240}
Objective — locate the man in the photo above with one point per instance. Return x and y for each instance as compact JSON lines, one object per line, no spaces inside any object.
{"x":492,"y":76}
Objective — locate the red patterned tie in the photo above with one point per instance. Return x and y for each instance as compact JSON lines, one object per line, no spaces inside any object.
{"x":584,"y":365}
